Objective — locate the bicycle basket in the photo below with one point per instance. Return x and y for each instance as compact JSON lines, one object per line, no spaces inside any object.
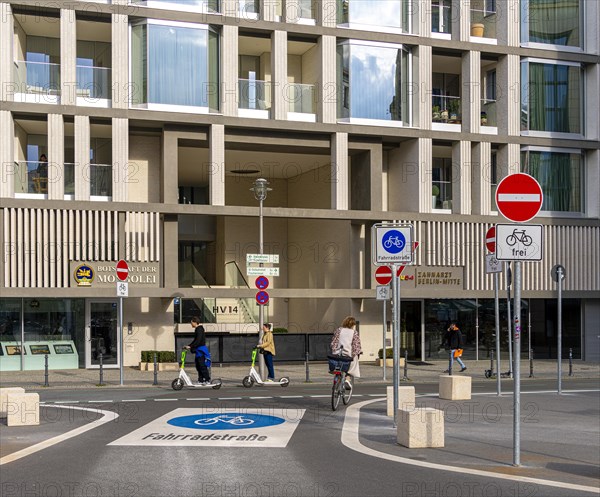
{"x":339,"y":363}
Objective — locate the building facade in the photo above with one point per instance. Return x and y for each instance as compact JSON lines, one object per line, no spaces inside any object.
{"x":135,"y":129}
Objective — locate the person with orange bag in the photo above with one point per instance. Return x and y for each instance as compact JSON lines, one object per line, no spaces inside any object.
{"x":454,"y":341}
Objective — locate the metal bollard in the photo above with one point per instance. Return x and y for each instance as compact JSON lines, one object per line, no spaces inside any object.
{"x":101,"y":384}
{"x":531,"y":363}
{"x":155,"y":382}
{"x":492,"y":362}
{"x":405,"y":378}
{"x":46,"y":371}
{"x":307,"y":369}
{"x":570,"y":362}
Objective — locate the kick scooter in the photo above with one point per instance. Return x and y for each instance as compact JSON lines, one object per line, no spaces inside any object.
{"x":254,"y":377}
{"x":185,"y":380}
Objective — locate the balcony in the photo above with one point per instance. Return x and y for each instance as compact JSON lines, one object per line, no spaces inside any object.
{"x":489,"y":120}
{"x":69,"y":174}
{"x":483,"y":26}
{"x":441,"y":18}
{"x":100,"y":181}
{"x":31,"y":178}
{"x":37,"y":82}
{"x":302,"y":102}
{"x":93,"y":86}
{"x":446,"y":109}
{"x":255,"y":96}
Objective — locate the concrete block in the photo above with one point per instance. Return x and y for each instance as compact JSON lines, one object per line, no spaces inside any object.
{"x":3,"y":393}
{"x":420,"y":427}
{"x":23,"y":409}
{"x":406,"y":399}
{"x":456,"y":387}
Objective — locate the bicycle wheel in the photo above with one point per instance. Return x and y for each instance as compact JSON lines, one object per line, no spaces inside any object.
{"x":335,"y":391}
{"x":346,"y":394}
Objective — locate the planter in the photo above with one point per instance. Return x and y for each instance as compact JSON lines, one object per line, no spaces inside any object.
{"x":444,"y":115}
{"x":477,"y":29}
{"x":484,"y":119}
{"x":143,"y":366}
{"x":166,"y":366}
{"x":390,"y":362}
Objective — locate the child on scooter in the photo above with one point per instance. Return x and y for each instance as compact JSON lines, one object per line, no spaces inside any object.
{"x":198,"y":346}
{"x":268,"y":348}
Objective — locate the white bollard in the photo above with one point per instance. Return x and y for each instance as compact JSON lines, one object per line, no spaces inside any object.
{"x":455,"y":387}
{"x":23,"y":409}
{"x":406,"y":398}
{"x":422,"y":427}
{"x":3,"y":394}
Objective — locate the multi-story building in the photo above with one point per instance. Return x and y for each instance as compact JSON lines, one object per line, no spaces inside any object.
{"x":136,"y":129}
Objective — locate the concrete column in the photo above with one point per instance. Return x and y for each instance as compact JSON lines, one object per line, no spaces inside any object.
{"x":280,"y":102}
{"x":170,"y":251}
{"x":461,"y":177}
{"x":82,"y":158}
{"x":509,"y":160}
{"x":170,"y":169}
{"x":120,"y":62}
{"x":230,"y":8}
{"x":508,"y":99}
{"x":461,"y":20}
{"x":291,"y":11}
{"x":508,"y":25}
{"x":592,"y":83}
{"x":471,"y":92}
{"x":591,"y":14}
{"x":422,"y":104}
{"x":7,"y":154}
{"x":229,"y":71}
{"x":268,"y":10}
{"x":7,"y":83}
{"x":327,"y":13}
{"x":376,"y":172}
{"x":327,"y":103}
{"x":409,"y":176}
{"x":339,"y":172}
{"x":217,"y":164}
{"x":592,"y":199}
{"x":56,"y":157}
{"x":422,"y":18}
{"x":481,"y":175}
{"x":68,"y":54}
{"x":120,"y":156}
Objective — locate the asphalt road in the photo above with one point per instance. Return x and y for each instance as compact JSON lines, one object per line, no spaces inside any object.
{"x":319,"y":455}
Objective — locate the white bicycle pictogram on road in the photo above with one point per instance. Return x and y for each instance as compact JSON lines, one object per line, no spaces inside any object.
{"x":224,"y":418}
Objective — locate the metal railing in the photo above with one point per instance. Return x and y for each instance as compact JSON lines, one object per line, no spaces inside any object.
{"x":488,"y":112}
{"x":31,"y":177}
{"x":487,"y":19}
{"x":302,"y":98}
{"x":446,"y":109}
{"x":69,"y":174}
{"x":40,"y":78}
{"x":94,"y":82}
{"x":101,"y":180}
{"x":254,"y":94}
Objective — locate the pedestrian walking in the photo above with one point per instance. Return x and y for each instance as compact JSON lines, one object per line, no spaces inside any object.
{"x":454,"y":341}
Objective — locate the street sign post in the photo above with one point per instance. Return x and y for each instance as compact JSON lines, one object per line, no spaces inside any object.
{"x":519,"y":242}
{"x":122,"y":271}
{"x":558,"y":275}
{"x":262,"y":271}
{"x":262,"y":258}
{"x":262,"y":298}
{"x":519,"y":197}
{"x":262,"y":283}
{"x":383,"y":275}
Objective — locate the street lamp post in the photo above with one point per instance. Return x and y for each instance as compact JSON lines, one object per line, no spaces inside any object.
{"x":260,"y":189}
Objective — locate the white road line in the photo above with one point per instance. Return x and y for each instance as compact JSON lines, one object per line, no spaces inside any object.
{"x":291,"y":396}
{"x":100,"y":401}
{"x":350,"y":438}
{"x":259,"y":398}
{"x":200,"y":398}
{"x":229,"y":398}
{"x":319,"y":396}
{"x":134,"y":400}
{"x":107,"y":416}
{"x":376,"y":395}
{"x":165,"y":400}
{"x":66,"y":402}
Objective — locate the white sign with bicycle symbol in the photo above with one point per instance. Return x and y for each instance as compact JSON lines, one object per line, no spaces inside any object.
{"x":392,"y":244}
{"x":241,"y":427}
{"x":519,"y":242}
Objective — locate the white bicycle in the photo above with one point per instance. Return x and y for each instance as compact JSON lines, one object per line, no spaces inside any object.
{"x":224,"y":418}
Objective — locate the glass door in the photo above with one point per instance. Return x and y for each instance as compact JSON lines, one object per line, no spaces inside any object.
{"x":101,"y":334}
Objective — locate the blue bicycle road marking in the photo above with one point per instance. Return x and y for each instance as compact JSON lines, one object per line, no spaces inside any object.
{"x":393,"y":241}
{"x":226,"y":421}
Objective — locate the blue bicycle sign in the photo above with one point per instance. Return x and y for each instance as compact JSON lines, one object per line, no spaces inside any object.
{"x":393,"y":242}
{"x":226,"y":421}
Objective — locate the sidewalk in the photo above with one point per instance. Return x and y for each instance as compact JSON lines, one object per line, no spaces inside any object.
{"x":318,"y":374}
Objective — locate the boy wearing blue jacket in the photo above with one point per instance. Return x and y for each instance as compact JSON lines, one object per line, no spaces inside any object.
{"x":198,"y":346}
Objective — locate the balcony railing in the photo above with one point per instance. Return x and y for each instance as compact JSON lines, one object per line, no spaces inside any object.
{"x":254,"y":94}
{"x":446,"y":109}
{"x":488,"y":112}
{"x":31,"y":177}
{"x":441,"y":18}
{"x":69,"y":173}
{"x":302,"y":98}
{"x":41,"y":78}
{"x":483,"y":23}
{"x":100,"y":180}
{"x":94,"y":82}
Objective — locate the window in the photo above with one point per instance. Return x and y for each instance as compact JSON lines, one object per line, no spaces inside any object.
{"x":490,"y":85}
{"x":175,"y":64}
{"x":559,"y":173}
{"x":391,"y":14}
{"x":554,"y":22}
{"x":208,"y":6}
{"x":374,"y":82}
{"x":441,"y":186}
{"x":441,"y":16}
{"x":551,"y":96}
{"x":93,"y":69}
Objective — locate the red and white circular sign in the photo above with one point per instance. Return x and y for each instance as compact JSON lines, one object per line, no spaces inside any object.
{"x":122,"y":270}
{"x":383,"y":275}
{"x":519,"y":197}
{"x":490,"y":239}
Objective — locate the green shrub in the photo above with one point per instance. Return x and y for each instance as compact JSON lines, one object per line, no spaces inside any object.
{"x":280,"y":330}
{"x":389,"y":353}
{"x":145,"y":356}
{"x":166,"y":356}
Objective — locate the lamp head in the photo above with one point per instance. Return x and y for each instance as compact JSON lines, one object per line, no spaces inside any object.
{"x":260,"y":188}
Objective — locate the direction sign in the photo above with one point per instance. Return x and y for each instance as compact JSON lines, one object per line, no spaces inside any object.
{"x":392,"y":244}
{"x":262,"y":271}
{"x":262,"y":298}
{"x":262,"y":282}
{"x":490,"y":239}
{"x":262,"y":258}
{"x":519,"y":197}
{"x":383,"y":292}
{"x":519,"y":242}
{"x":383,"y":275}
{"x":122,"y":270}
{"x":492,"y":265}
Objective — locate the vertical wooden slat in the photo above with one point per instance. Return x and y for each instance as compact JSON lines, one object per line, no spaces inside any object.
{"x":91,"y":240}
{"x":65,"y":248}
{"x":72,"y":239}
{"x":45,"y":237}
{"x":26,"y":248}
{"x":97,"y":237}
{"x":103,"y":237}
{"x":18,"y":241}
{"x":115,"y":222}
{"x":34,"y":244}
{"x":52,"y":247}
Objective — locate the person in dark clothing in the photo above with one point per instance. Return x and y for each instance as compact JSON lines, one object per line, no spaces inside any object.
{"x":198,"y":347}
{"x":454,"y":340}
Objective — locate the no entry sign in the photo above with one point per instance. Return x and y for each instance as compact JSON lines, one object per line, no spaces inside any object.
{"x":383,"y":275}
{"x":490,"y":239}
{"x":122,"y":270}
{"x":519,"y":197}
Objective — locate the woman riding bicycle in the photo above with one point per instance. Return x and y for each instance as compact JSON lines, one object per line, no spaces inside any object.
{"x":346,"y":342}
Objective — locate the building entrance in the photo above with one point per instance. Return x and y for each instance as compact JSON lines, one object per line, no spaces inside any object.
{"x":101,"y":333}
{"x":410,"y":328}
